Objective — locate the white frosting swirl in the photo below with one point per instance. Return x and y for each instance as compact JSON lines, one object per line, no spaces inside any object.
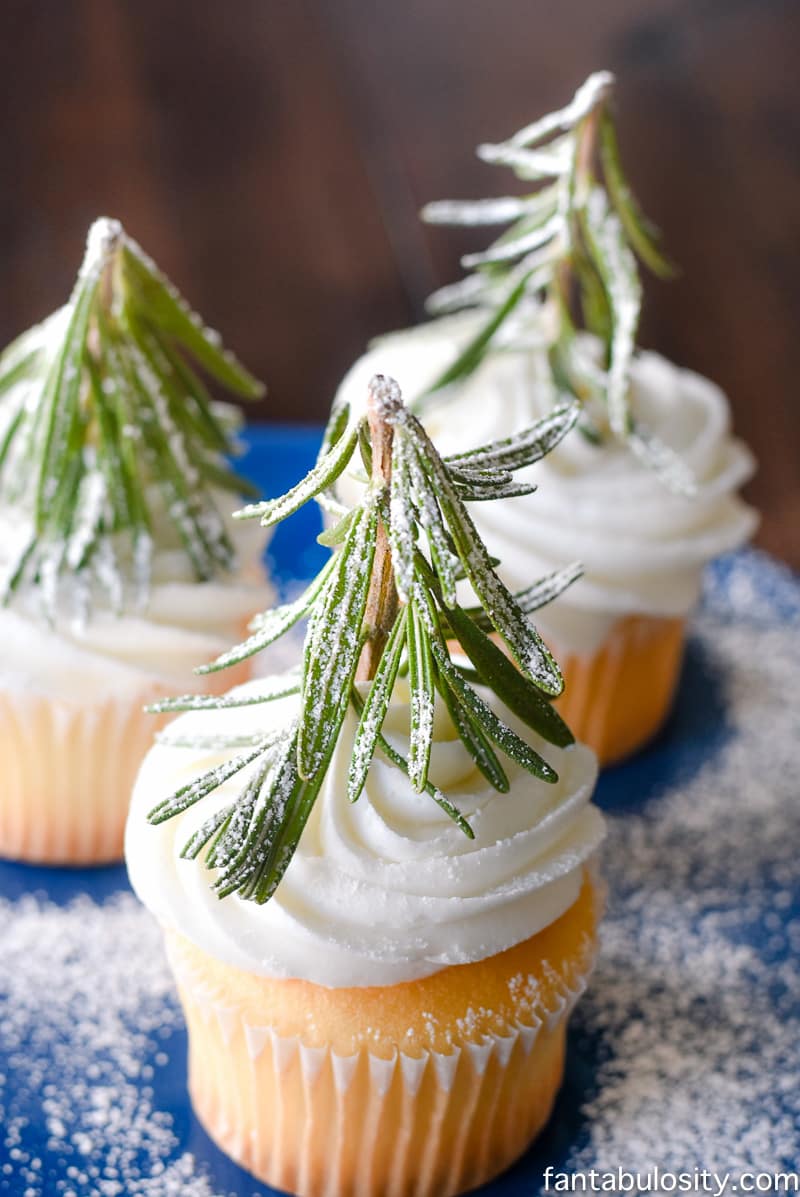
{"x":185,"y":624}
{"x":642,"y":547}
{"x":384,"y":890}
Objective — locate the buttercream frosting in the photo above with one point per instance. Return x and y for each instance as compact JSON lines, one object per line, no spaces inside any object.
{"x":185,"y":622}
{"x":386,"y":889}
{"x":642,"y":546}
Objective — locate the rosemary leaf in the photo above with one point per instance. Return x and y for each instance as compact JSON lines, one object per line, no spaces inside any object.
{"x":401,"y":525}
{"x":375,"y":706}
{"x":9,"y":434}
{"x":524,"y":642}
{"x":420,"y":672}
{"x":504,"y":249}
{"x":335,"y":429}
{"x":15,"y":369}
{"x":243,"y":847}
{"x":467,"y":292}
{"x":476,"y":743}
{"x":473,"y":353}
{"x":175,"y":486}
{"x":273,"y":624}
{"x":524,"y":448}
{"x":510,"y":686}
{"x":595,"y":304}
{"x":236,"y":840}
{"x":472,"y":213}
{"x":193,"y":791}
{"x":502,"y":735}
{"x":548,"y":588}
{"x":332,"y":537}
{"x":59,"y":410}
{"x":334,"y":643}
{"x":218,"y":474}
{"x":153,"y":295}
{"x":205,"y":420}
{"x":534,"y":164}
{"x":477,"y":493}
{"x":641,"y":233}
{"x":665,"y":461}
{"x":211,"y":742}
{"x":292,"y":797}
{"x":109,"y":455}
{"x":281,"y":688}
{"x":618,"y":269}
{"x":212,"y":827}
{"x":585,"y":100}
{"x":443,"y":555}
{"x":497,"y":731}
{"x":324,"y":473}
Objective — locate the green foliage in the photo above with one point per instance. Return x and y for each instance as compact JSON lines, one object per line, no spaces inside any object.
{"x":571,"y":249}
{"x":108,"y":434}
{"x":419,"y":509}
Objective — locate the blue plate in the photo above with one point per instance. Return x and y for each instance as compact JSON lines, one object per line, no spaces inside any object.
{"x":276,"y":458}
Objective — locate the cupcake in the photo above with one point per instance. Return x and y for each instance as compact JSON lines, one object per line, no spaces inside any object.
{"x":119,"y":566}
{"x":644,"y":492}
{"x":377,"y":953}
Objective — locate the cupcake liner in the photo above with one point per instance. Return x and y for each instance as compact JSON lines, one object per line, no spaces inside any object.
{"x":69,"y":769}
{"x":315,"y":1123}
{"x":617,"y":698}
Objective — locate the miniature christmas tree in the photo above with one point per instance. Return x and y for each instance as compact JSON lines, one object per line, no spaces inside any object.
{"x":105,"y":422}
{"x":568,"y":264}
{"x":385,"y":603}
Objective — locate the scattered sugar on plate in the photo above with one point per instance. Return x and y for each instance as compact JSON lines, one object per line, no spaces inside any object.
{"x":85,"y":999}
{"x":694,"y":1010}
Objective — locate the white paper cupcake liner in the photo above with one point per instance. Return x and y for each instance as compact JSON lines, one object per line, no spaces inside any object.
{"x":68,"y":773}
{"x":617,"y":697}
{"x":310,"y":1121}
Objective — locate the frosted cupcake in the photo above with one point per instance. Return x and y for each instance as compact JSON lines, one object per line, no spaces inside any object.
{"x":119,"y":568}
{"x":644,"y":492}
{"x":379,"y":1002}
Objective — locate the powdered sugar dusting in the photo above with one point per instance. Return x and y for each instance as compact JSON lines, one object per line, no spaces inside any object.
{"x":86,"y":999}
{"x":695,"y":1005}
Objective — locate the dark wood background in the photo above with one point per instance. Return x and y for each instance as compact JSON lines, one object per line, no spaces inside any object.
{"x":272,"y":155}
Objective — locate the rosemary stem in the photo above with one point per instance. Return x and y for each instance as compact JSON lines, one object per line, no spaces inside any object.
{"x":382,"y":600}
{"x":587,"y":134}
{"x":586,"y":151}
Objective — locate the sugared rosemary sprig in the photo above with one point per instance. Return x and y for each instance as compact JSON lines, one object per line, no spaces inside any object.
{"x":566,"y":264}
{"x":384,"y":604}
{"x":105,"y":421}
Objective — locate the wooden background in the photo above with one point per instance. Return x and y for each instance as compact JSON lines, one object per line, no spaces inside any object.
{"x":272,"y":155}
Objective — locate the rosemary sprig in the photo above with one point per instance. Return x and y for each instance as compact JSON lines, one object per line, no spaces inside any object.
{"x":571,"y":247}
{"x":109,"y":438}
{"x":385,"y":604}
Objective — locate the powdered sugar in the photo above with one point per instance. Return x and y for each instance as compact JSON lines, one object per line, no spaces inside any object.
{"x":695,"y":1005}
{"x":86,"y":1000}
